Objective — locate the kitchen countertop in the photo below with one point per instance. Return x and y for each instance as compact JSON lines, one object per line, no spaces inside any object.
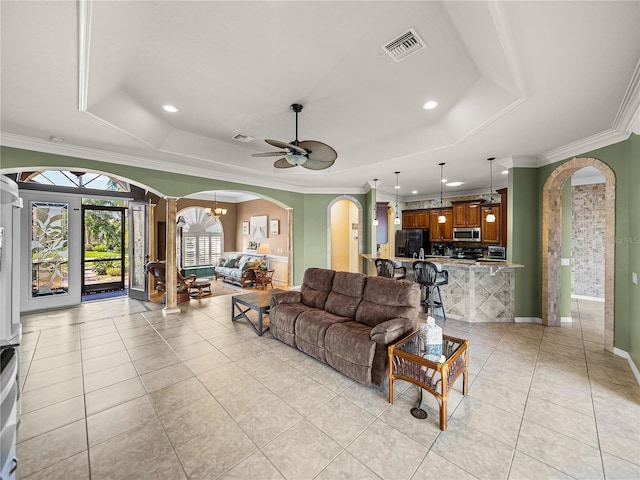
{"x":448,"y":261}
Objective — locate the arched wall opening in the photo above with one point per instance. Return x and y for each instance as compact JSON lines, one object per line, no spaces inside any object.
{"x":552,"y":240}
{"x":344,"y":234}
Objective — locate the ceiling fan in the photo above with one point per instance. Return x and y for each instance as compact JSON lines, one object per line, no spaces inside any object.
{"x":309,"y":154}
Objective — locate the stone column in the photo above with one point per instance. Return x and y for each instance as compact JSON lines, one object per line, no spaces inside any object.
{"x":171,"y":276}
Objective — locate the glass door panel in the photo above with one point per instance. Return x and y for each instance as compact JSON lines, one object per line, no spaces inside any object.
{"x":49,"y":249}
{"x":138,"y":249}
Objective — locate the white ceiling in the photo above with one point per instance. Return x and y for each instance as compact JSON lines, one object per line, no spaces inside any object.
{"x":525,"y":82}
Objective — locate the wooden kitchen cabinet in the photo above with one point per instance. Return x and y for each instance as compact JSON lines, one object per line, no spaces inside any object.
{"x":466,"y":214}
{"x":441,"y":232}
{"x":490,"y":230}
{"x":415,"y":219}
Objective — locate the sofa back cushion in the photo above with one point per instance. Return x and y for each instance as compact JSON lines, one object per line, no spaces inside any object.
{"x":316,"y":286}
{"x":386,"y":298}
{"x":346,"y":293}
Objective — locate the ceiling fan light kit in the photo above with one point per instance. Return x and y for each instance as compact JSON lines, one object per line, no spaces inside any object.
{"x":309,"y":154}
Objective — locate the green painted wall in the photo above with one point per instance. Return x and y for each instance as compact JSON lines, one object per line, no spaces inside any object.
{"x":524,"y":239}
{"x":634,"y":248}
{"x":309,"y":211}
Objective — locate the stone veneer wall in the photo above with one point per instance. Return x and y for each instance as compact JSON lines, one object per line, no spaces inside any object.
{"x":587,"y":240}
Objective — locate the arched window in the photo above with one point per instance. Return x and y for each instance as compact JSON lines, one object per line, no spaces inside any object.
{"x":77,"y":179}
{"x":202,"y":238}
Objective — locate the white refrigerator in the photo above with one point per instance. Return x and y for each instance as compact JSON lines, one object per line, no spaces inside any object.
{"x":10,"y":327}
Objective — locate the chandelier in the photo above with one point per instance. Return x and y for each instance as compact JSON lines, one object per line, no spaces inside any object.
{"x":216,"y":212}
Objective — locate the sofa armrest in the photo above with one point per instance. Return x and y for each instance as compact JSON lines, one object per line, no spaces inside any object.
{"x":289,"y":296}
{"x":387,"y":332}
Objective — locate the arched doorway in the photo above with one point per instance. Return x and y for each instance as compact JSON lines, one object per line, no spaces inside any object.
{"x":552,"y":237}
{"x":344,"y":217}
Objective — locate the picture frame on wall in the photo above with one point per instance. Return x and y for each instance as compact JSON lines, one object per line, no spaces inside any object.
{"x":245,"y":228}
{"x":274,"y":227}
{"x":258,"y":228}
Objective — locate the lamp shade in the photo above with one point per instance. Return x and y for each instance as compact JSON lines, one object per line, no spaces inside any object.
{"x":264,"y":249}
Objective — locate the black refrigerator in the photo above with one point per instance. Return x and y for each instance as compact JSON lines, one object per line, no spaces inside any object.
{"x":409,"y":242}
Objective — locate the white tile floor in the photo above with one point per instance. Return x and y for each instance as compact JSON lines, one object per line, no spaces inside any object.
{"x":115,"y":390}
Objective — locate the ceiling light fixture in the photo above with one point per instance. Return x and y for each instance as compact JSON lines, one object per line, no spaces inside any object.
{"x":375,"y":204}
{"x":504,"y":172}
{"x":441,"y":217}
{"x":430,"y":105}
{"x":396,"y":220}
{"x":216,"y":212}
{"x":491,"y":218}
{"x":169,"y":108}
{"x":454,"y":184}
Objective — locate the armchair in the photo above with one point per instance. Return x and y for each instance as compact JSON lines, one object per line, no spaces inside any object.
{"x":158,"y":270}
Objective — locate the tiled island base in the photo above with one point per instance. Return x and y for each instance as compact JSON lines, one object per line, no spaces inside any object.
{"x":480,"y":293}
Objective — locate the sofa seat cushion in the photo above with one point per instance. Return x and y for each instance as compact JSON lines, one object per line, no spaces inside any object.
{"x":386,"y":298}
{"x":229,"y":272}
{"x":311,"y":327}
{"x":282,"y":320}
{"x":350,"y":350}
{"x":346,"y":293}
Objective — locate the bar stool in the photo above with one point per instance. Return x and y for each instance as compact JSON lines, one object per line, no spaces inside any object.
{"x":388,"y":268}
{"x":430,"y":280}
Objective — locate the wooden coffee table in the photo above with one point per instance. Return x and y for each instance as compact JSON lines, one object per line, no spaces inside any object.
{"x":407,"y":361}
{"x":257,"y":301}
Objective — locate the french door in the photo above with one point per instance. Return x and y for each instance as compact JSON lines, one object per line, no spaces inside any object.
{"x":139,"y":249}
{"x":104,"y":252}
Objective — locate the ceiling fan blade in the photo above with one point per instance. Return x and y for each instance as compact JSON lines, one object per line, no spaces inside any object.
{"x":319,"y":151}
{"x":270,"y":154}
{"x":285,"y":145}
{"x":317,"y":164}
{"x":282,"y":163}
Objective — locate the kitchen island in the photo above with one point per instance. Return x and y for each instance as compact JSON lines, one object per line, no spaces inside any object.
{"x":480,"y":290}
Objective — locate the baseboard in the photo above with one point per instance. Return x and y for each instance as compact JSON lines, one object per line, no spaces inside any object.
{"x":584,"y":297}
{"x":634,"y":369}
{"x":566,"y":319}
{"x":528,"y":320}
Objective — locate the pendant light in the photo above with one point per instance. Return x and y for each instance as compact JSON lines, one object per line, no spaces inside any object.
{"x":216,"y":212}
{"x":375,"y":203}
{"x":396,"y":220}
{"x":441,"y":217}
{"x":491,"y":218}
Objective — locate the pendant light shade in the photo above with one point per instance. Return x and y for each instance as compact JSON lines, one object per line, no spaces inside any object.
{"x":491,"y":218}
{"x":375,"y":203}
{"x":396,"y":220}
{"x":441,"y":217}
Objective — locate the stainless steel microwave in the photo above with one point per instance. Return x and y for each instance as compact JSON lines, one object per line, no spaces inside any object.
{"x":466,"y":235}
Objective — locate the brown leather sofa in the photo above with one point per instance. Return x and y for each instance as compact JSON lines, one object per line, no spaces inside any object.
{"x":346,"y":320}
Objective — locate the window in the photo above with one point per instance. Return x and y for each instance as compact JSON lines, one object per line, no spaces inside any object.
{"x":75,"y":179}
{"x":202,"y":238}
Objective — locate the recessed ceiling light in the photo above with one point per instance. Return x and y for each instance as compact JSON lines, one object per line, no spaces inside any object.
{"x":431,"y":104}
{"x":397,"y":187}
{"x":414,"y":192}
{"x":169,"y":108}
{"x":444,"y":180}
{"x":454,"y":184}
{"x":504,"y":172}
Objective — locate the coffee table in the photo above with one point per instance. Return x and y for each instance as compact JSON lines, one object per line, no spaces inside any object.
{"x":408,"y":361}
{"x":257,"y":301}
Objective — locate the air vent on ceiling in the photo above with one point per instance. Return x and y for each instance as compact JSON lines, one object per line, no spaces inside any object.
{"x":404,"y":45}
{"x":241,"y":137}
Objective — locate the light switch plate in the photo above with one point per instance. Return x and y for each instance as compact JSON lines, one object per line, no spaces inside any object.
{"x":634,"y":277}
{"x":565,"y":262}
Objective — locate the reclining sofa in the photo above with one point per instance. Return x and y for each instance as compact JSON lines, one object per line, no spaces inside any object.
{"x":346,"y":320}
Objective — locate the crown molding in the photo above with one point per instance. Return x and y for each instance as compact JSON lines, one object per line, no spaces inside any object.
{"x":629,"y":111}
{"x":65,"y":149}
{"x":518,"y":161}
{"x":599,"y":140}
